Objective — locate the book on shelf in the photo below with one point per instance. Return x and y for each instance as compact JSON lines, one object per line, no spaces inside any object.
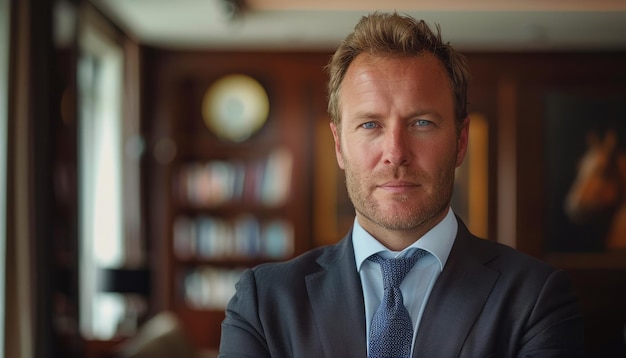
{"x":266,"y":181}
{"x":210,"y":237}
{"x":276,"y":179}
{"x":209,"y":287}
{"x":184,"y":237}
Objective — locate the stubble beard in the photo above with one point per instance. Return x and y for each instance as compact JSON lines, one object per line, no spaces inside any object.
{"x":413,"y":215}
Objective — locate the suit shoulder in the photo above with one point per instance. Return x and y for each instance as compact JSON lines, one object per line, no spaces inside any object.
{"x":310,"y":261}
{"x":497,"y":255}
{"x":299,"y":265}
{"x":504,"y":255}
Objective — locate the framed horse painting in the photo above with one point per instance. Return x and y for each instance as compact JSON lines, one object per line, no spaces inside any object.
{"x":585,"y":173}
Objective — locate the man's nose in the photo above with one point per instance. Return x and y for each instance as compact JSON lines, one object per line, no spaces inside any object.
{"x":397,"y":149}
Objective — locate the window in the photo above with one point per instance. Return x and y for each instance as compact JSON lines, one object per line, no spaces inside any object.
{"x":100,"y":163}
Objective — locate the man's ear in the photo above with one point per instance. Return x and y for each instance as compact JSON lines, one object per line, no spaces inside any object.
{"x":462,"y":141}
{"x":333,"y":128}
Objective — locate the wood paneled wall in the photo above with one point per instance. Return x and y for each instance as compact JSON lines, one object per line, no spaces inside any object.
{"x":509,"y":89}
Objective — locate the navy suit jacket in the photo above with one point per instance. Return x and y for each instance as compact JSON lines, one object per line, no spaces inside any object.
{"x":489,"y":301}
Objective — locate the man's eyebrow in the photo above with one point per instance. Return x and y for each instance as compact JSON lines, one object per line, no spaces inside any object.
{"x":366,"y":115}
{"x":417,"y":113}
{"x":422,"y":112}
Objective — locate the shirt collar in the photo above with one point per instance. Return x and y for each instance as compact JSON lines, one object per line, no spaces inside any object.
{"x":438,"y":242}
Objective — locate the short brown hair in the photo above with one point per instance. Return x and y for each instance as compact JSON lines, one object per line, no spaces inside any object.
{"x":394,"y":34}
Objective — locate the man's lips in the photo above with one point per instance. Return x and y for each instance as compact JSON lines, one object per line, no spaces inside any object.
{"x":398,"y":186}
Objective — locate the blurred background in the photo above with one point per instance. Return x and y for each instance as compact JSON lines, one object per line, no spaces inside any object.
{"x":152,"y":150}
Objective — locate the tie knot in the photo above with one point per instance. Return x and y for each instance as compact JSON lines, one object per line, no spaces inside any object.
{"x":395,"y":270}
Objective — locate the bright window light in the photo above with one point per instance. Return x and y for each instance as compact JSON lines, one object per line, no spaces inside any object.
{"x":100,"y":83}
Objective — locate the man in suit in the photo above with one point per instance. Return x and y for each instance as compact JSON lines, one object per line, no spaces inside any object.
{"x":397,"y":99}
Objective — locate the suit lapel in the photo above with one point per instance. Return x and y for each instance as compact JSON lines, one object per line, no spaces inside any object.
{"x":336,"y":297}
{"x":457,"y":299}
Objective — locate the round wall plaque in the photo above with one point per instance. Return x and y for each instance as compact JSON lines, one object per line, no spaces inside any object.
{"x":235,"y":107}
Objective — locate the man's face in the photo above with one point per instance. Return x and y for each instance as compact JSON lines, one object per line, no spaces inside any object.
{"x":398,"y":142}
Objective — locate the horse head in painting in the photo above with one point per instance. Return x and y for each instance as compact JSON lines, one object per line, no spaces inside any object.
{"x":599,"y":190}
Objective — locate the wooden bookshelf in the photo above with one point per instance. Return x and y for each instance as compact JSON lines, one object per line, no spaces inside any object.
{"x":220,"y":207}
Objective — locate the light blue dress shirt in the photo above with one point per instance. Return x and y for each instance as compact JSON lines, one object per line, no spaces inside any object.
{"x":418,"y":284}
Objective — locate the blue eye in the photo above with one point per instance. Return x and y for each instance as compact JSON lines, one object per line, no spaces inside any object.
{"x":368,"y":125}
{"x":422,"y":122}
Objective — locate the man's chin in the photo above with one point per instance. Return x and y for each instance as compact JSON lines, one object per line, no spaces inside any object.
{"x":398,"y":220}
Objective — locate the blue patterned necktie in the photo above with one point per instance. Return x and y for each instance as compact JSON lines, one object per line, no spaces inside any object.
{"x":391,"y":333}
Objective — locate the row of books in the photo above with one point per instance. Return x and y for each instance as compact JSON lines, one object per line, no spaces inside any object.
{"x":209,"y":287}
{"x":210,"y":237}
{"x":215,"y":182}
